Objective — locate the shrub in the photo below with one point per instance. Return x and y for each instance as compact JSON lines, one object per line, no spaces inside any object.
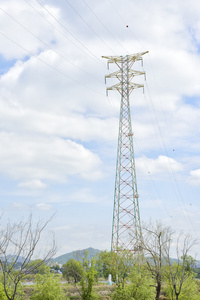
{"x":48,"y":287}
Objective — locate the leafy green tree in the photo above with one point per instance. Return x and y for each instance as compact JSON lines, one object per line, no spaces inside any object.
{"x":140,"y":287}
{"x":155,"y":244}
{"x":11,"y":292}
{"x":119,"y":265}
{"x":125,"y":263}
{"x":87,"y":281}
{"x":73,"y":271}
{"x":105,"y":264}
{"x":48,"y":287}
{"x":2,"y":293}
{"x":38,"y":267}
{"x":180,"y":272}
{"x":55,"y":267}
{"x":189,"y":287}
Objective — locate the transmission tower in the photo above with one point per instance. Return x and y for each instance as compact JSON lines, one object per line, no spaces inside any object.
{"x":126,"y":227}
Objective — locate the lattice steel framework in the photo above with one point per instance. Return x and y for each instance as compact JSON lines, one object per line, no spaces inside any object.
{"x":126,"y":215}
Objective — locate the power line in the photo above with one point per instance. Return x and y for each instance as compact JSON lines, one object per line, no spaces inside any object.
{"x":48,"y":46}
{"x":89,"y":26}
{"x":125,"y":22}
{"x":105,"y":27}
{"x":163,"y":148}
{"x":67,"y":30}
{"x":52,"y":67}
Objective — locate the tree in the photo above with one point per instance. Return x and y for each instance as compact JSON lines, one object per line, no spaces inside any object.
{"x":105,"y":265}
{"x":2,"y":293}
{"x":84,"y":272}
{"x":155,"y":244}
{"x":88,"y":280}
{"x":139,"y":288}
{"x":38,"y":267}
{"x":73,"y":271}
{"x":125,"y":263}
{"x":189,"y":288}
{"x":22,"y":240}
{"x":48,"y":287}
{"x":180,"y":272}
{"x":118,"y":264}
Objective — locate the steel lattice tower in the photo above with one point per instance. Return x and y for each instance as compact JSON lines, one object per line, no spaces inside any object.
{"x":126,"y":215}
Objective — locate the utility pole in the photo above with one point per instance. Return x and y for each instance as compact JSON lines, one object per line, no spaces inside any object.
{"x":126,"y":226}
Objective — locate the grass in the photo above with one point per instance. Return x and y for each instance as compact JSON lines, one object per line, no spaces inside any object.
{"x":71,"y":291}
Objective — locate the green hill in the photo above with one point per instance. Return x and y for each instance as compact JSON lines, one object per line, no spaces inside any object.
{"x":77,"y":255}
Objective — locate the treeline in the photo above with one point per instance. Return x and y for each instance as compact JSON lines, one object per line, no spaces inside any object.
{"x":146,"y":274}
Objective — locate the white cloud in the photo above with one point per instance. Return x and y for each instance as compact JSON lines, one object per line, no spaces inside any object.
{"x":160,"y":165}
{"x":43,"y":206}
{"x":33,"y":184}
{"x":67,"y":227}
{"x":28,"y":158}
{"x":56,"y":123}
{"x":84,"y":195}
{"x":194,"y":178}
{"x":26,"y":16}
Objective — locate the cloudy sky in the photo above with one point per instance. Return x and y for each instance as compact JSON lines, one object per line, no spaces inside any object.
{"x":58,"y":129}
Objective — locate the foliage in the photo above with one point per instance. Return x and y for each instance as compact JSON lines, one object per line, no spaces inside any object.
{"x":155,"y":244}
{"x":197,"y":272}
{"x":55,"y":267}
{"x":189,"y":289}
{"x":140,"y":288}
{"x":2,"y":293}
{"x":118,"y":265}
{"x":104,"y":264}
{"x":11,"y":292}
{"x":73,"y":270}
{"x":48,"y":287}
{"x":88,"y":280}
{"x":38,"y":267}
{"x":124,"y":265}
{"x":22,"y":238}
{"x":178,"y":273}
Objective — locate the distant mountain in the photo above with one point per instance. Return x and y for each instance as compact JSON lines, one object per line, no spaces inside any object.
{"x":77,"y":255}
{"x":11,"y":258}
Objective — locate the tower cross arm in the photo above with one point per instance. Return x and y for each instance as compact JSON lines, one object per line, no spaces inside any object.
{"x":113,"y":59}
{"x":114,"y":74}
{"x":117,"y":86}
{"x":135,"y":85}
{"x":136,"y":73}
{"x":134,"y":57}
{"x":131,"y":86}
{"x":118,"y":74}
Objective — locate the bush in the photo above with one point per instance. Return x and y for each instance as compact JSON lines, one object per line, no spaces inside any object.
{"x":140,"y":288}
{"x":48,"y":287}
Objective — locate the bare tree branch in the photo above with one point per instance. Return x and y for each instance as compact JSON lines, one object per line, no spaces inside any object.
{"x":20,"y":241}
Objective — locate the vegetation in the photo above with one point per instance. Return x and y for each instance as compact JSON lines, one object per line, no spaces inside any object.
{"x":48,"y":287}
{"x":87,"y":281}
{"x":182,"y":289}
{"x":38,"y":267}
{"x":23,"y":238}
{"x":140,"y":287}
{"x":155,"y":244}
{"x":154,"y":276}
{"x":73,"y":271}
